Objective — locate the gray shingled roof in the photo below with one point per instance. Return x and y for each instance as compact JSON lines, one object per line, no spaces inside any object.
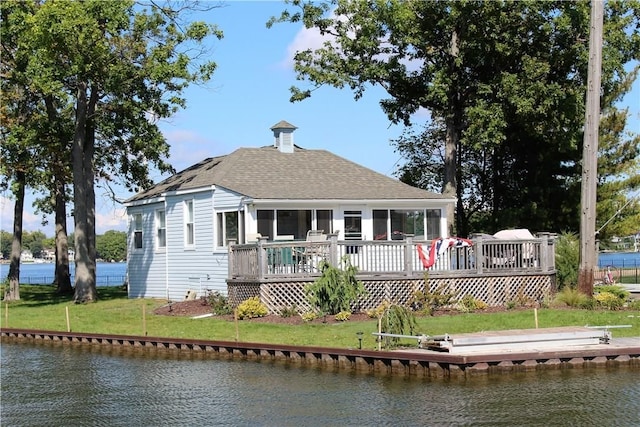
{"x":266,"y":173}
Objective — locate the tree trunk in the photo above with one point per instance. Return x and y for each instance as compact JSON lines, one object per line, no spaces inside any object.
{"x":13,"y":292}
{"x":63,"y":278}
{"x":452,"y":137}
{"x":85,"y":283}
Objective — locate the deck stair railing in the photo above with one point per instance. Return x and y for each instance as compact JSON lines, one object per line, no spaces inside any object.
{"x":265,"y":260}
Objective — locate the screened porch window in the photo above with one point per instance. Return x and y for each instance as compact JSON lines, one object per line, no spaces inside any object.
{"x":293,"y":222}
{"x":394,"y":224}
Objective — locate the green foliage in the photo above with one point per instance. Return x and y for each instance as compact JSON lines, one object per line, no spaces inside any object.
{"x":513,"y":122}
{"x":288,"y":311}
{"x":309,"y":316}
{"x":616,"y":290}
{"x":609,"y":300}
{"x":343,"y":316}
{"x":429,"y":302}
{"x":567,"y":254}
{"x":611,"y":297}
{"x":219,"y":303}
{"x":112,"y":245}
{"x":250,"y":308}
{"x":469,"y":304}
{"x":573,"y":298}
{"x":379,"y":310}
{"x":634,"y":304}
{"x":398,"y":320}
{"x":336,"y":289}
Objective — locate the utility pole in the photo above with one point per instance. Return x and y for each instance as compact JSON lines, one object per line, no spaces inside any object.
{"x":588,"y":255}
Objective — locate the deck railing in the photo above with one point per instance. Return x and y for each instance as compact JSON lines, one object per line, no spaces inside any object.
{"x":299,"y":259}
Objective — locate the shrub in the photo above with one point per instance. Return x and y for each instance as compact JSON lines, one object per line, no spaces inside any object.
{"x":398,"y":320}
{"x":376,"y":313}
{"x":309,"y":316}
{"x":251,"y":308}
{"x":289,"y":311}
{"x":336,"y":289}
{"x":616,"y":290}
{"x":469,"y":304}
{"x":219,"y":303}
{"x":634,"y":305}
{"x":609,"y":300}
{"x":567,"y":260}
{"x":428,"y":302}
{"x":343,"y":316}
{"x":572,"y":297}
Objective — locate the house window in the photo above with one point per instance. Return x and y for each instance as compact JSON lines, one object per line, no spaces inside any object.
{"x":433,"y":223}
{"x":137,"y":231}
{"x":161,"y":229}
{"x":189,"y":226}
{"x":395,"y":224}
{"x":380,"y":219}
{"x":228,"y":227}
{"x":294,"y":223}
{"x":407,"y":222}
{"x":265,"y":223}
{"x":324,"y":220}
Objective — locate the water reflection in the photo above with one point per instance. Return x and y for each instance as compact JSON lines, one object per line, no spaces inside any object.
{"x":66,"y":385}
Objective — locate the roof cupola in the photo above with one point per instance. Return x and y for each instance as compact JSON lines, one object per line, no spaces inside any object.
{"x":283,"y":134}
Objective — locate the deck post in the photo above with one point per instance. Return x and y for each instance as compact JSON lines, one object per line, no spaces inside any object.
{"x":544,"y":251}
{"x":333,"y":249}
{"x":262,"y":259}
{"x":477,"y":250}
{"x":408,"y":249}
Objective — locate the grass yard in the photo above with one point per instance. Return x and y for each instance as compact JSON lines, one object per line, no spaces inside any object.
{"x":113,"y":313}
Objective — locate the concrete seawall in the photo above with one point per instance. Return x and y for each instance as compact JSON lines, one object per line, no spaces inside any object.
{"x":620,"y":352}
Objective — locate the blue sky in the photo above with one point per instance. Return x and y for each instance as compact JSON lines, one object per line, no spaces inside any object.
{"x":248,"y":94}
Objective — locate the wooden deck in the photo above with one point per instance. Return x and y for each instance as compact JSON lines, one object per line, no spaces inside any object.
{"x":301,"y":259}
{"x":494,"y":271}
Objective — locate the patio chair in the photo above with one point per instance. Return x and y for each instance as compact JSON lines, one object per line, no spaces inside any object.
{"x":310,"y":255}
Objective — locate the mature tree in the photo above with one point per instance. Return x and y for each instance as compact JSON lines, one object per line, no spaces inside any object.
{"x":112,"y":245}
{"x":504,"y":80}
{"x":120,"y":69}
{"x":22,"y":124}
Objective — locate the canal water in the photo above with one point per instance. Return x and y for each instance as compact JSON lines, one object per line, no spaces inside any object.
{"x":55,"y":385}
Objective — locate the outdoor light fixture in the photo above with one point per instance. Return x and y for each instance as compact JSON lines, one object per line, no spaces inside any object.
{"x":359,"y":334}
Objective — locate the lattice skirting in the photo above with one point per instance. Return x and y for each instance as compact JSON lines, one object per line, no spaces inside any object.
{"x":493,"y":290}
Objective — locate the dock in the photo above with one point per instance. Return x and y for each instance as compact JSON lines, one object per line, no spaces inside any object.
{"x":414,"y":362}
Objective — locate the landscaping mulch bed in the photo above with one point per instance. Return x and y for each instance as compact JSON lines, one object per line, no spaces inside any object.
{"x":198,"y":307}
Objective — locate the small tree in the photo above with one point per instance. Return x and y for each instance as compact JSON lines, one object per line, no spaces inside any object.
{"x":567,"y":260}
{"x":336,"y":289}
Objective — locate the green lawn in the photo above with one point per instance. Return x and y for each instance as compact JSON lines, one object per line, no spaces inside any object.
{"x":114,"y":313}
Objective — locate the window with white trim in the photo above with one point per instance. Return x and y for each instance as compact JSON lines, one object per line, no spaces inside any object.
{"x":161,"y":229}
{"x":228,"y":227}
{"x":137,"y":231}
{"x":189,"y":226}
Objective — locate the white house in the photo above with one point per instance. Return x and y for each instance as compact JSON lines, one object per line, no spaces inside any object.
{"x":180,"y":229}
